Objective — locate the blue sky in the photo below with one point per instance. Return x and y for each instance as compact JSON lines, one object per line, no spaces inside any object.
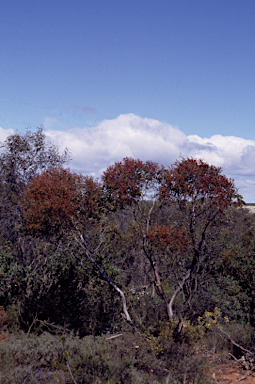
{"x":143,"y":74}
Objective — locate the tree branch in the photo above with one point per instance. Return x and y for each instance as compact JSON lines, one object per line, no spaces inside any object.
{"x":97,"y":267}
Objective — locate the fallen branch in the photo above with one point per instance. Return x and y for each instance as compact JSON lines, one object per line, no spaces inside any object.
{"x":237,"y":360}
{"x":247,"y":359}
{"x":234,"y":343}
{"x":59,"y":327}
{"x":69,"y":369}
{"x":113,"y":337}
{"x":244,"y":377}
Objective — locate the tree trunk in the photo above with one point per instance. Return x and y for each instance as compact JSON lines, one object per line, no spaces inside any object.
{"x":161,"y":290}
{"x":171,"y":302}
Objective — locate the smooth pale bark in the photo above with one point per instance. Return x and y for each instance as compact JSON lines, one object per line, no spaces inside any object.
{"x":109,"y":281}
{"x":171,"y":302}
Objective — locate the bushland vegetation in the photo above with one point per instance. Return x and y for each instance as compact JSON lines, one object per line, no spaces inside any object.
{"x":122,"y":279}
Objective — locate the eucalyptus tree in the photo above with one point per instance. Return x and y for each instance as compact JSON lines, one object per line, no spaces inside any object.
{"x":176,"y":250}
{"x":61,"y":204}
{"x":21,"y":158}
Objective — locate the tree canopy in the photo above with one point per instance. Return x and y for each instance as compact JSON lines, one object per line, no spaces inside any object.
{"x":159,"y":237}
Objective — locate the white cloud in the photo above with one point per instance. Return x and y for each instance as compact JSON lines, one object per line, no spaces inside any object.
{"x":234,"y":154}
{"x":93,"y":149}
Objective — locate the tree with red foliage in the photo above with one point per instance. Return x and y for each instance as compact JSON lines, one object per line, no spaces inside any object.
{"x":130,"y":181}
{"x":201,"y":195}
{"x":51,"y":202}
{"x":202,"y":185}
{"x":22,"y":157}
{"x":134,"y":183}
{"x":57,"y":202}
{"x":173,"y":245}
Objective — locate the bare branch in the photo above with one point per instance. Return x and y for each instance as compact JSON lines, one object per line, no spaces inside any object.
{"x":234,"y":343}
{"x":97,"y":267}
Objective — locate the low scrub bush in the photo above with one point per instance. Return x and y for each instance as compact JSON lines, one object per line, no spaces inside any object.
{"x":94,"y":359}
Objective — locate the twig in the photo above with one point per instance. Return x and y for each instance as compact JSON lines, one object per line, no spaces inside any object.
{"x":238,"y":360}
{"x":35,"y":319}
{"x":234,"y":343}
{"x":62,"y":329}
{"x":244,"y":377}
{"x":113,"y":337}
{"x":69,"y":369}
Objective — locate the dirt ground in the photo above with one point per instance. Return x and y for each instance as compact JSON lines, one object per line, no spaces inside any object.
{"x":224,"y":370}
{"x":230,"y":373}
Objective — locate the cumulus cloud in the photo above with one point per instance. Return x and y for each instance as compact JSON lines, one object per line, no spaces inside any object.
{"x":234,"y":154}
{"x":93,"y":149}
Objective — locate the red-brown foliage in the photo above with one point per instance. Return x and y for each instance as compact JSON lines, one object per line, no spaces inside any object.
{"x":161,"y":237}
{"x":195,"y":180}
{"x":53,"y":201}
{"x":127,"y":181}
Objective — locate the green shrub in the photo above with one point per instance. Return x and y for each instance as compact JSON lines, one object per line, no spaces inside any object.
{"x":94,"y":359}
